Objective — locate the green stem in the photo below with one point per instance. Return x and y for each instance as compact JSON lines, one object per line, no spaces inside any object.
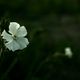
{"x":9,"y":69}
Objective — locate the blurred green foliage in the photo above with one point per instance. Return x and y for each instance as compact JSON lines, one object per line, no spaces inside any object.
{"x":52,"y":26}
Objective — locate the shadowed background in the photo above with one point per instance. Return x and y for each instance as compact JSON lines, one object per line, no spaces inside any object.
{"x":52,"y":26}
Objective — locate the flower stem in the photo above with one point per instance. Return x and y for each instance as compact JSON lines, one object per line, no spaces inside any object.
{"x":9,"y":69}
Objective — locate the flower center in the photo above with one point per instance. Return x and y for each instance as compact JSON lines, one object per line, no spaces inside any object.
{"x":14,"y":37}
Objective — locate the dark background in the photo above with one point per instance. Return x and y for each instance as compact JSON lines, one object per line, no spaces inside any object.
{"x":52,"y":26}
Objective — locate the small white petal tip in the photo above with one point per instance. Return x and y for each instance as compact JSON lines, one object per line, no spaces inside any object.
{"x":68,"y":52}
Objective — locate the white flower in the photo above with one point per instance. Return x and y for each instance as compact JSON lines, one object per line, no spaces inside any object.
{"x":15,"y":39}
{"x":68,"y":52}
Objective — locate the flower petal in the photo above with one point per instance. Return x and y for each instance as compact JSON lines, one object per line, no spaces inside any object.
{"x":12,"y":45}
{"x":13,"y":27}
{"x":68,"y":52}
{"x":23,"y":42}
{"x":6,"y":36}
{"x":21,"y":32}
